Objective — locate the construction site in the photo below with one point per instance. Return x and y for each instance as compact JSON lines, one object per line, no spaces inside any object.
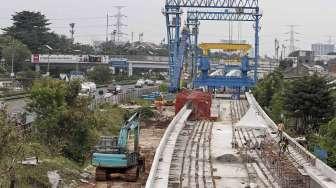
{"x":221,"y":116}
{"x":219,"y":136}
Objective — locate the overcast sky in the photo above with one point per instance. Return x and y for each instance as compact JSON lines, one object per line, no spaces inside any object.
{"x":315,"y":20}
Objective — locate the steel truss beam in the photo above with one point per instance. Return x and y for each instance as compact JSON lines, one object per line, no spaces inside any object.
{"x":221,"y":16}
{"x":231,"y":15}
{"x":246,"y":4}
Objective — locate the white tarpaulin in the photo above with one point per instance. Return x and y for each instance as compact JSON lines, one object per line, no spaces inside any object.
{"x":252,"y":120}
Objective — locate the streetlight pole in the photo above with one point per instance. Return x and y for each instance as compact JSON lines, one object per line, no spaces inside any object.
{"x":12,"y":72}
{"x":81,"y":56}
{"x":48,"y":69}
{"x":13,"y":55}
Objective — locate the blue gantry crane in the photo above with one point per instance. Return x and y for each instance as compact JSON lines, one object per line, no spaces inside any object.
{"x":210,"y":10}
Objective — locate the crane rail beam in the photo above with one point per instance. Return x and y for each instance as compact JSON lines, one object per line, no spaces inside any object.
{"x":244,"y":4}
{"x":221,"y":16}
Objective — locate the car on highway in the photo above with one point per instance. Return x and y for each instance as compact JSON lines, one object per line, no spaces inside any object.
{"x":101,"y":92}
{"x":88,"y":87}
{"x":149,"y":82}
{"x":118,"y":89}
{"x":107,"y":95}
{"x":112,"y":89}
{"x":158,"y":82}
{"x":140,"y":83}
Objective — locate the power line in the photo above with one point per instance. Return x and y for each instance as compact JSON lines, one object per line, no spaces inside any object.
{"x":78,"y":18}
{"x":78,"y":26}
{"x":65,"y":18}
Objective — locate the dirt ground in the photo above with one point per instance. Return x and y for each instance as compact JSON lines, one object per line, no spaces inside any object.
{"x":150,"y":135}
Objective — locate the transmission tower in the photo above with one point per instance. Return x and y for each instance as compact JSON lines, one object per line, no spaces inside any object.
{"x":72,"y":31}
{"x":119,"y":24}
{"x":277,"y":47}
{"x":292,"y":38}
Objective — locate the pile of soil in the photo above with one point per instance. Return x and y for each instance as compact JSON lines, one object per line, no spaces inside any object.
{"x":160,"y":124}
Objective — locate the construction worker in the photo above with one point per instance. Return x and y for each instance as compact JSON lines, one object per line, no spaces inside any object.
{"x":281,"y":128}
{"x":284,"y":146}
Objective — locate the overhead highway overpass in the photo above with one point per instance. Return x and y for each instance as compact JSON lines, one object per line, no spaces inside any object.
{"x":127,"y":63}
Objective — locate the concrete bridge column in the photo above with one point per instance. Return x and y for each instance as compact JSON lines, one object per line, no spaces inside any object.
{"x":37,"y":67}
{"x":113,"y":70}
{"x":130,"y":69}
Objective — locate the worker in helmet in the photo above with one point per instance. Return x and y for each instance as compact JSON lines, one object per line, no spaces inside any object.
{"x":281,"y":128}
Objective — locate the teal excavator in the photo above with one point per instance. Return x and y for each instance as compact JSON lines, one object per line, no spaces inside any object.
{"x":115,"y":155}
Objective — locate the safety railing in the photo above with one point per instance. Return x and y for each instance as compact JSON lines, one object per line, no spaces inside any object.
{"x":159,"y":151}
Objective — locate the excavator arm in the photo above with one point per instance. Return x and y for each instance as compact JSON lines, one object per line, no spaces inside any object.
{"x":132,"y":124}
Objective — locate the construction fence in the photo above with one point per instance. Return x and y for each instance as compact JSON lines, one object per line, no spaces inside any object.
{"x":124,"y":97}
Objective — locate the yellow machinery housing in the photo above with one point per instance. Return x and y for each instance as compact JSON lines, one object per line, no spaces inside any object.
{"x":228,"y":47}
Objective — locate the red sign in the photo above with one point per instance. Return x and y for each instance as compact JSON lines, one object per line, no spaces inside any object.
{"x":36,"y":58}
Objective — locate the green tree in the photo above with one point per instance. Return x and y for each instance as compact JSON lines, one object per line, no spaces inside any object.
{"x":27,"y":77}
{"x":145,"y":112}
{"x":310,"y":102}
{"x":11,"y":151}
{"x":47,"y":101}
{"x":83,"y":49}
{"x":164,"y":87}
{"x":12,"y":48}
{"x":79,"y":124}
{"x":267,"y":87}
{"x":101,"y":74}
{"x":73,"y":90}
{"x":31,"y":28}
{"x":47,"y":97}
{"x":277,"y":107}
{"x":109,"y":119}
{"x":328,"y":141}
{"x":64,"y":123}
{"x":136,"y":48}
{"x":63,"y":45}
{"x":60,"y":43}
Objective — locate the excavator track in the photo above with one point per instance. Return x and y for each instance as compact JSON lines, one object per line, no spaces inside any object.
{"x":132,"y":175}
{"x":101,"y":174}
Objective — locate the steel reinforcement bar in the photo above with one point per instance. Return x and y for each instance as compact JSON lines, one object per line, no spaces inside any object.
{"x":317,"y":169}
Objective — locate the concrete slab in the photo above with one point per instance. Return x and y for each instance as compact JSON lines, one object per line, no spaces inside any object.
{"x":226,"y":175}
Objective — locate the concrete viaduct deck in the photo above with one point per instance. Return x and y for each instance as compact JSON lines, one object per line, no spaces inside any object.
{"x":226,"y":154}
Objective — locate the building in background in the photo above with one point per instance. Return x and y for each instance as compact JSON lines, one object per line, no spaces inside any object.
{"x":322,"y":49}
{"x":332,"y":67}
{"x":302,"y":57}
